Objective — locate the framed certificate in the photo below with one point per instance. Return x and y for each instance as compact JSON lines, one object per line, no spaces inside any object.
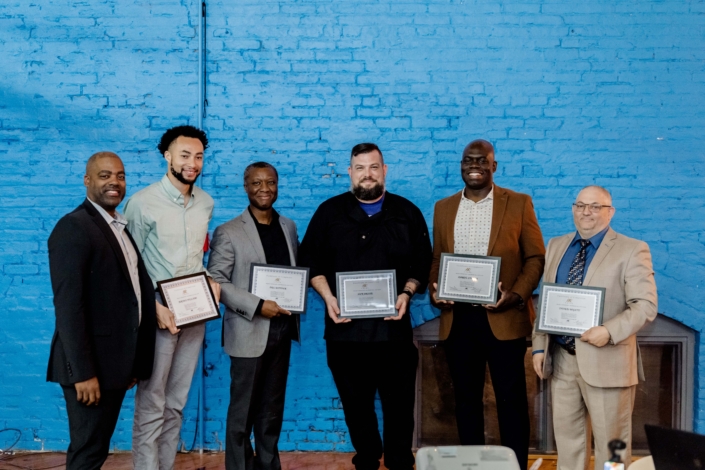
{"x":569,"y":310}
{"x":189,"y":298}
{"x":286,"y":285}
{"x":367,"y":294}
{"x":468,"y":278}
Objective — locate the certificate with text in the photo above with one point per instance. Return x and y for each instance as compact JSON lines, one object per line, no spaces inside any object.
{"x":189,"y":298}
{"x":285,"y":285}
{"x":468,"y":278}
{"x":367,"y":294}
{"x":569,"y":310}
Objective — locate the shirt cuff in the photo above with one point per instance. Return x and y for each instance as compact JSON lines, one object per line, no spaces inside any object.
{"x":258,"y":310}
{"x":538,"y":351}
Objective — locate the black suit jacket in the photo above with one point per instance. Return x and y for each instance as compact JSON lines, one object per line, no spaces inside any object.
{"x":98,"y":332}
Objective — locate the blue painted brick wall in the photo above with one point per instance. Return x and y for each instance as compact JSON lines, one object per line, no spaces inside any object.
{"x":571,"y":92}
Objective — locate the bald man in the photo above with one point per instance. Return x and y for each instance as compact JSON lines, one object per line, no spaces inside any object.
{"x":596,"y":374}
{"x":105,"y":312}
{"x":484,"y":219}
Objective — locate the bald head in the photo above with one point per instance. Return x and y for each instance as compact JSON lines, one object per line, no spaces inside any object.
{"x":90,"y":164}
{"x":602,"y":192}
{"x":479,"y":146}
{"x":477,"y":167}
{"x":105,"y":180}
{"x":592,"y":211}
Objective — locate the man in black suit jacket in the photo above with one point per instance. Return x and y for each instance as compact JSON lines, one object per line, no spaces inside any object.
{"x":105,"y":312}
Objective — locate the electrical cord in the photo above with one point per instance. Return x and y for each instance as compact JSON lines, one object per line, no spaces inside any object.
{"x":8,"y":455}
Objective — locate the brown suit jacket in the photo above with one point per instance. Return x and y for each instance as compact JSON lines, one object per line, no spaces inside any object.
{"x":621,"y":265}
{"x":515,"y":237}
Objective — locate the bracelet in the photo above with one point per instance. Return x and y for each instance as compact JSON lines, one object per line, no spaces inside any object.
{"x":408,"y":292}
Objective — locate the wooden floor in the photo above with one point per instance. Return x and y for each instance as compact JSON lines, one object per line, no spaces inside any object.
{"x":208,"y":461}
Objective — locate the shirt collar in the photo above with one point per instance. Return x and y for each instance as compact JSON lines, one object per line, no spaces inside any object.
{"x":109,"y":218}
{"x":595,"y":240}
{"x":275,"y":217}
{"x":490,"y":196}
{"x":173,"y":193}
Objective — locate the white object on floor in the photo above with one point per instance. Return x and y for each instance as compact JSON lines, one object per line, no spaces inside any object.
{"x":644,"y":463}
{"x":464,"y":457}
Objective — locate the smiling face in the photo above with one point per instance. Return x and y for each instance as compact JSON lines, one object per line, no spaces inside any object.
{"x":185,"y":158}
{"x":587,"y":222}
{"x":105,"y":181}
{"x":478,"y":165}
{"x":262,"y":187}
{"x":367,"y":173}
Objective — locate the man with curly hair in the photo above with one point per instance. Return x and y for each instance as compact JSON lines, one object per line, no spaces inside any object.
{"x":169,"y":222}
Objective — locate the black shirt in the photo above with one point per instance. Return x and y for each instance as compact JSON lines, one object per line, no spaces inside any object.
{"x":342,"y":237}
{"x":276,"y":251}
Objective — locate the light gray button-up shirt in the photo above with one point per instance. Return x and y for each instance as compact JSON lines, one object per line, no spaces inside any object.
{"x":473,"y":224}
{"x":118,"y":224}
{"x":169,"y":235}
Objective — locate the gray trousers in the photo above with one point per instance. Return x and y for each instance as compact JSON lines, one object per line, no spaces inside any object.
{"x":160,"y":400}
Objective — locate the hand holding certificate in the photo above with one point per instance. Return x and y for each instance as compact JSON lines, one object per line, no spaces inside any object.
{"x":468,"y":278}
{"x":367,"y":294}
{"x":189,"y":298}
{"x":569,"y":310}
{"x":285,"y":285}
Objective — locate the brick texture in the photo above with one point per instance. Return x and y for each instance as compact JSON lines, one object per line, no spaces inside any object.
{"x":572,"y":93}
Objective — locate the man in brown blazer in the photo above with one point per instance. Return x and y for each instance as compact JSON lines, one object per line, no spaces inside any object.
{"x":484,"y":219}
{"x":596,"y":374}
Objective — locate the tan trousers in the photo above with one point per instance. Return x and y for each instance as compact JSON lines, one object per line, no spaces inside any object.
{"x":579,"y":407}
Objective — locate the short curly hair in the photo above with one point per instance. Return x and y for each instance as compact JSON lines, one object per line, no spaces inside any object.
{"x":175,"y":132}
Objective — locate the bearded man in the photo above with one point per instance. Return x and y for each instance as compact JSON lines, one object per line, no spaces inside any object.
{"x":169,"y":222}
{"x":369,"y":229}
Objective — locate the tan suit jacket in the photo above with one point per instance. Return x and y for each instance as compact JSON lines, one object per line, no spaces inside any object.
{"x":515,"y":237}
{"x":621,"y":265}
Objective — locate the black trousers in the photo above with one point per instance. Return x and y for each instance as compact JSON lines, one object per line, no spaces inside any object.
{"x":469,"y":347}
{"x":91,"y":428}
{"x":257,"y":390}
{"x":360,"y":370}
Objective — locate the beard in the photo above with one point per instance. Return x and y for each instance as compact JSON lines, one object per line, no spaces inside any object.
{"x":180,"y":176}
{"x":368,"y":194}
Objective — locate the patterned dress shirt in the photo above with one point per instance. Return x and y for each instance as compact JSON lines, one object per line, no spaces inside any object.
{"x":473,"y":224}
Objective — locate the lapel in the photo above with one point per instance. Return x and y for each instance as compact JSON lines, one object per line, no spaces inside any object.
{"x":109,"y":237}
{"x":248,"y":225}
{"x":288,"y":240}
{"x":499,"y":205}
{"x":600,"y":254}
{"x":449,"y":221}
{"x":560,"y":246}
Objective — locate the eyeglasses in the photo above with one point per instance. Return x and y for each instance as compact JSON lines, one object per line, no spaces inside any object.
{"x":594,"y":208}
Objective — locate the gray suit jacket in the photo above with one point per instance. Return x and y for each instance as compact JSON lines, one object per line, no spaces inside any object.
{"x":235,"y":246}
{"x":621,"y":265}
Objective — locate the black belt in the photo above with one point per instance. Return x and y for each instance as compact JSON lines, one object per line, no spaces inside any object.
{"x":569,"y":349}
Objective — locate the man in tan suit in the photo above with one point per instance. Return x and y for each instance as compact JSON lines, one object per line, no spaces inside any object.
{"x":597,"y":374}
{"x":484,"y":219}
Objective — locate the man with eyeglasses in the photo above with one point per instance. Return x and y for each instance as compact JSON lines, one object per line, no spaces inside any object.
{"x":597,"y":374}
{"x":487,"y":220}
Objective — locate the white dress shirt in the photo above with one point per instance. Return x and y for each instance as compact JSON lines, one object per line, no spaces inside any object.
{"x":118,"y":224}
{"x":473,"y":224}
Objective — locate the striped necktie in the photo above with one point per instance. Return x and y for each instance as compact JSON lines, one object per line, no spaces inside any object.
{"x":575,"y":278}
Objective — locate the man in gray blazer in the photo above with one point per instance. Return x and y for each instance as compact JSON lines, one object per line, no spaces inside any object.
{"x":257,"y":333}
